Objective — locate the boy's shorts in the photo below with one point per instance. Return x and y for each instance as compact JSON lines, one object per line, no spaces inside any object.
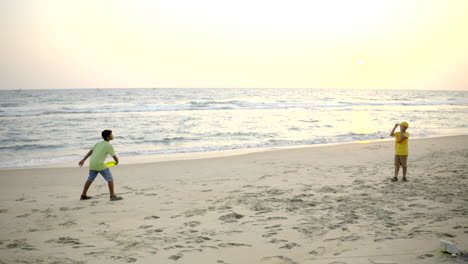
{"x":401,"y":160}
{"x":105,"y":173}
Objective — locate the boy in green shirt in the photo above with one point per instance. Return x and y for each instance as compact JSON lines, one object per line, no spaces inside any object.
{"x":96,"y":165}
{"x":401,"y":149}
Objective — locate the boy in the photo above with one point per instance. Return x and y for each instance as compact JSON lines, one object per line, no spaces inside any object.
{"x":96,"y":165}
{"x":401,"y":149}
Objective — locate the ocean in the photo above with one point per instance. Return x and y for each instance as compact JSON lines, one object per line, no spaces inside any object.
{"x":46,"y":127}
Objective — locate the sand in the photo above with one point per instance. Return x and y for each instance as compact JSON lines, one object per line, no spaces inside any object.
{"x":328,"y":204}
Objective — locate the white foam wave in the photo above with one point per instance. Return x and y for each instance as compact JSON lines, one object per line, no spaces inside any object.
{"x":211,"y":105}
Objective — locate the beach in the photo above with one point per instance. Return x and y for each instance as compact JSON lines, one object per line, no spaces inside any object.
{"x":320,"y":204}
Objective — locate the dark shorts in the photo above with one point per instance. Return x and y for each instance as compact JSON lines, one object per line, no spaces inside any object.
{"x":401,"y":160}
{"x":105,"y":173}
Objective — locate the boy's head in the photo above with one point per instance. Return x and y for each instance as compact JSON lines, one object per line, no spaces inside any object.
{"x":107,"y":135}
{"x":404,"y":126}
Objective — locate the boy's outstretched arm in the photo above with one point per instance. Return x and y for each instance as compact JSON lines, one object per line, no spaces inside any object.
{"x":402,"y":135}
{"x":392,"y":134}
{"x":116,"y":159}
{"x":84,"y":159}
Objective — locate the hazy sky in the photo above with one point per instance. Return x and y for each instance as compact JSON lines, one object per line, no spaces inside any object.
{"x":376,"y":44}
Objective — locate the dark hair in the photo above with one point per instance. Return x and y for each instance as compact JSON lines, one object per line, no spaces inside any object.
{"x":106,"y":133}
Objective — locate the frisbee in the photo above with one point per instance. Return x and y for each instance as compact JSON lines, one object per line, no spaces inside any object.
{"x":111,"y":163}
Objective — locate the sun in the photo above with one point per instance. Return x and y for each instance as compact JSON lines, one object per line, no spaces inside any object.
{"x":361,"y":63}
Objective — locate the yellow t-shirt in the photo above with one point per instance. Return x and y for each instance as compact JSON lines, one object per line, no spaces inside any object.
{"x":100,"y":152}
{"x":401,"y":146}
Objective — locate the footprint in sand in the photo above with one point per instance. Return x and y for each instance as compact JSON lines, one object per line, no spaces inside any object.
{"x":234,"y":245}
{"x":283,"y":259}
{"x":197,"y":240}
{"x":273,"y":227}
{"x":68,"y":224}
{"x":22,"y":244}
{"x":327,"y":189}
{"x":26,"y":200}
{"x":276,"y":241}
{"x":265,"y":176}
{"x":23,"y":215}
{"x":344,"y":238}
{"x":224,"y":208}
{"x":192,"y":224}
{"x":58,"y":196}
{"x":95,"y":253}
{"x":192,"y":250}
{"x":446,"y":235}
{"x":65,"y":241}
{"x":176,"y":257}
{"x":48,"y":212}
{"x":159,"y":230}
{"x":341,"y":252}
{"x":260,"y":208}
{"x":290,"y":245}
{"x":104,"y":224}
{"x":318,"y":251}
{"x":303,"y":195}
{"x":418,"y":205}
{"x":152,"y":217}
{"x":426,"y":256}
{"x":232,"y":217}
{"x":267,"y":235}
{"x":274,"y":218}
{"x":125,"y":259}
{"x":195,"y":212}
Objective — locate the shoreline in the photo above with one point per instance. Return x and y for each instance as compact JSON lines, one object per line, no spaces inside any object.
{"x":155,"y":158}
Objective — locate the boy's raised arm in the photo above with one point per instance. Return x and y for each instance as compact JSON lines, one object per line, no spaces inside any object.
{"x":402,"y":135}
{"x":392,"y":134}
{"x":84,"y":159}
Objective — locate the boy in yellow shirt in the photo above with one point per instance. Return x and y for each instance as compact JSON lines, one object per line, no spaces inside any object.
{"x":401,"y":149}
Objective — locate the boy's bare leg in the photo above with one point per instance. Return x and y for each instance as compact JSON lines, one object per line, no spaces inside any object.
{"x":86,"y":187}
{"x":404,"y":173}
{"x":397,"y":169}
{"x":111,"y":187}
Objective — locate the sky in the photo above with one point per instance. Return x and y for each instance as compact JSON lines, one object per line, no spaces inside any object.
{"x":339,"y":44}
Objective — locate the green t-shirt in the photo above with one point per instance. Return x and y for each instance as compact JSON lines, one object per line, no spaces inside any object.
{"x":100,"y":152}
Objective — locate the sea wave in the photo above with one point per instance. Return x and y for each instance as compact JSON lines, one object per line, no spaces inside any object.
{"x":211,"y":105}
{"x":35,"y":147}
{"x":46,"y":127}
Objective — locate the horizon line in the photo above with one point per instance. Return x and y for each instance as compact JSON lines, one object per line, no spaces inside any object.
{"x":78,"y":88}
